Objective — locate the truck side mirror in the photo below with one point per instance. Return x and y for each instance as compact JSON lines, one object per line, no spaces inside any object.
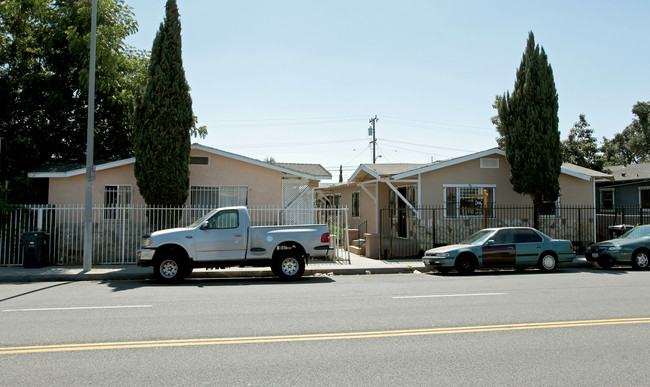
{"x":204,"y":226}
{"x":490,"y":242}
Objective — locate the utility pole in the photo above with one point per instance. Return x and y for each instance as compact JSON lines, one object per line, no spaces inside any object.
{"x":90,"y":145}
{"x":371,"y":130}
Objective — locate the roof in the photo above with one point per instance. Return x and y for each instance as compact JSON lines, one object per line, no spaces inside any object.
{"x":69,"y":169}
{"x":630,"y":172}
{"x":311,"y":169}
{"x":567,"y":168}
{"x":379,"y":171}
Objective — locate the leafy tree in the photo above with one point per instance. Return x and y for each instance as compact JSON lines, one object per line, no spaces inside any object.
{"x":529,"y":124}
{"x":632,"y":145}
{"x":164,"y":120}
{"x":581,"y":147}
{"x":44,"y":61}
{"x":496,"y":121}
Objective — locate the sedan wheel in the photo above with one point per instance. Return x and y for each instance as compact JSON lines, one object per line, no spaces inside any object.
{"x":548,"y":262}
{"x":640,"y":260}
{"x":465,"y":265}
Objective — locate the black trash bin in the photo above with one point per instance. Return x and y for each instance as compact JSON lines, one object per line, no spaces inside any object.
{"x":35,"y":248}
{"x":618,"y":230}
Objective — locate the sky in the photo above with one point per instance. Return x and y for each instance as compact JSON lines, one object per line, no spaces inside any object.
{"x":298,"y":80}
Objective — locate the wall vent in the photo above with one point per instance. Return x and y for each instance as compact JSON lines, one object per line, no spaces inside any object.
{"x":489,"y":163}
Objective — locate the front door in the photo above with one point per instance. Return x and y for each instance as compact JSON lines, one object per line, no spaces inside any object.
{"x":500,"y":250}
{"x":223,"y":239}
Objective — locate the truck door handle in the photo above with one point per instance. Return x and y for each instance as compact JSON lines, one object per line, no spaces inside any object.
{"x":238,"y":235}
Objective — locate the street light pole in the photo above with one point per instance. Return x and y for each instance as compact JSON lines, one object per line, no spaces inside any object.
{"x":90,"y":145}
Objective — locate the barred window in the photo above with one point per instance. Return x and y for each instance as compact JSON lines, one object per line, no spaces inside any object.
{"x":116,"y":199}
{"x":607,"y":198}
{"x":218,"y":196}
{"x":463,"y":201}
{"x":356,"y":197}
{"x":550,"y":209}
{"x":644,"y":197}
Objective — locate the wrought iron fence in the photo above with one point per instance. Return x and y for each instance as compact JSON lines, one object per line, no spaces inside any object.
{"x":118,"y":231}
{"x":408,"y":233}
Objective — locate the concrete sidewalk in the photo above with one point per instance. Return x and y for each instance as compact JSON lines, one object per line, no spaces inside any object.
{"x":358,"y":266}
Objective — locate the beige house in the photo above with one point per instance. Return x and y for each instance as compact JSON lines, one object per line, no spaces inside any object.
{"x":388,"y":200}
{"x":217,"y":179}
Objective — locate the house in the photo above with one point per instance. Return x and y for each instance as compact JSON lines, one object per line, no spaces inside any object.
{"x":623,"y":201}
{"x":630,"y":187}
{"x":411,"y":207}
{"x":217,"y":178}
{"x":278,"y":194}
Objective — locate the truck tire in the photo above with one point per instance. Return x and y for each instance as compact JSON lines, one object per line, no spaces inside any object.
{"x":288,"y":267}
{"x":169,"y":268}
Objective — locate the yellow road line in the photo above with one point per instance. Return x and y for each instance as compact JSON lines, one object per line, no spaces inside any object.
{"x":315,"y":337}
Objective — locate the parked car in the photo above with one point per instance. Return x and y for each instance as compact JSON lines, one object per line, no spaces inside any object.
{"x":518,"y":247}
{"x":224,"y":237}
{"x":633,"y":248}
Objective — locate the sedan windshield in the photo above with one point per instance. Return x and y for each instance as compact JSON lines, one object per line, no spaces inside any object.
{"x":637,"y":232}
{"x":478,"y":238}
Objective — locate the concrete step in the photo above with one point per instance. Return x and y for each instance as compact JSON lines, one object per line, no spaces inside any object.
{"x":358,"y":250}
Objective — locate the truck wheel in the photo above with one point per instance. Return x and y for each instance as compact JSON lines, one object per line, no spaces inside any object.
{"x":288,"y":267}
{"x":170,"y":269}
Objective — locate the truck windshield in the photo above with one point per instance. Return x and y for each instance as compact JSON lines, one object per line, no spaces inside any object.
{"x":201,"y":219}
{"x":477,"y":238}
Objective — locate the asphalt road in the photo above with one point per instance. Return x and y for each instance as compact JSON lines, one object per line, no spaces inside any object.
{"x":573,"y":327}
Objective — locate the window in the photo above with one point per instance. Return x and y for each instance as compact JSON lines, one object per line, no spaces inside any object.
{"x":116,"y":199}
{"x":218,"y":196}
{"x":607,"y":198}
{"x":504,"y":237}
{"x":333,"y":200}
{"x":464,"y":200}
{"x":233,"y":196}
{"x":204,"y":196}
{"x":644,"y":197}
{"x":550,"y":209}
{"x":356,"y":196}
{"x":524,"y":235}
{"x":224,"y":220}
{"x":199,"y":160}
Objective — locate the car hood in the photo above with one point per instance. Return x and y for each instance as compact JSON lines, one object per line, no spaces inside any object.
{"x":620,"y":242}
{"x":445,"y":249}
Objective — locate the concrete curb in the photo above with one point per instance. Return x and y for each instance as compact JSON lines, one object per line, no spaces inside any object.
{"x":132,"y":272}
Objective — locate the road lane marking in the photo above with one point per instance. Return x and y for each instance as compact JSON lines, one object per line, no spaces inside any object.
{"x":78,"y":308}
{"x":452,"y":295}
{"x":316,"y":337}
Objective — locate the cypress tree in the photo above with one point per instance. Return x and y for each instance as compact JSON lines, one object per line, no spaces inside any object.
{"x":164,"y":120}
{"x":529,"y":125}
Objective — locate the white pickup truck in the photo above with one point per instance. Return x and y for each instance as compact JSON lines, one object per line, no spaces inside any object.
{"x":224,"y":238}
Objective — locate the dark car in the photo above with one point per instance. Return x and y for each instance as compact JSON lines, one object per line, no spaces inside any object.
{"x":633,"y":248}
{"x":518,"y":247}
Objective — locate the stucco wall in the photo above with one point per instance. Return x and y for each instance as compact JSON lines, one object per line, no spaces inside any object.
{"x":574,"y":191}
{"x":264,"y":184}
